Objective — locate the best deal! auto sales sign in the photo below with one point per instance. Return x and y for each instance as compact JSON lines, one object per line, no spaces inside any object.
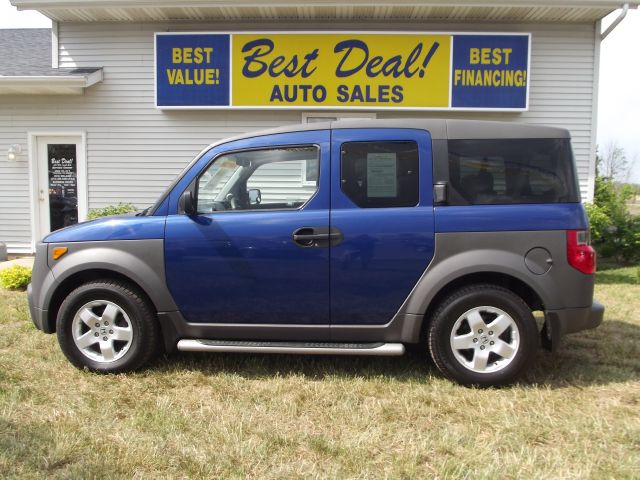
{"x":405,"y":71}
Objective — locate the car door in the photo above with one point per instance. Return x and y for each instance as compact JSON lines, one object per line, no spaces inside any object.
{"x":257,"y":252}
{"x":381,"y":202}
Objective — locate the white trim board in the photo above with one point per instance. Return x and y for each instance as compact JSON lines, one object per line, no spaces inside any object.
{"x":81,"y":173}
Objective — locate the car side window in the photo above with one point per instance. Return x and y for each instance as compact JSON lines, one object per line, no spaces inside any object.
{"x":511,"y":171}
{"x":267,"y":179}
{"x":380,"y":174}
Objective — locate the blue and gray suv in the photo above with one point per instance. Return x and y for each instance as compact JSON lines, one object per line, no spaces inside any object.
{"x":345,"y":238}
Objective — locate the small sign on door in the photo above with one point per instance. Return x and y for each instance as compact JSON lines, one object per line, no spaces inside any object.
{"x":63,"y":185}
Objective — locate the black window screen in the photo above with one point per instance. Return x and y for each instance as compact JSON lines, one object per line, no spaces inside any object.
{"x":380,"y":174}
{"x":507,"y":171}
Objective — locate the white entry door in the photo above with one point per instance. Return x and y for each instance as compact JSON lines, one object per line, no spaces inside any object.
{"x":60,"y":183}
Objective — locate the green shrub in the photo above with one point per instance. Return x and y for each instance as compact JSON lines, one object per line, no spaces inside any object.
{"x":111,"y":210}
{"x":15,"y":278}
{"x":599,"y":221}
{"x":614,"y":231}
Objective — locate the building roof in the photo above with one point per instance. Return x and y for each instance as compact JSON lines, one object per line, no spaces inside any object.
{"x":25,"y":51}
{"x":561,"y":11}
{"x":25,"y":66}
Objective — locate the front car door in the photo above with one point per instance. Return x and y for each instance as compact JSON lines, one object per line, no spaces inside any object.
{"x":381,"y":202}
{"x":256,"y":252}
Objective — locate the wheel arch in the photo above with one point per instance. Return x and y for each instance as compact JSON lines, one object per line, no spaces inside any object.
{"x":510,"y":282}
{"x":451,"y":271}
{"x":77,"y":279}
{"x":137,"y":262}
{"x":482,"y":265}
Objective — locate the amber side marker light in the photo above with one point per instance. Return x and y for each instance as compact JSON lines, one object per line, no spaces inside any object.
{"x":59,"y":251}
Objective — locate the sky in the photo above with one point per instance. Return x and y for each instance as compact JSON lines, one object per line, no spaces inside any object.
{"x":619,"y":88}
{"x":619,"y":85}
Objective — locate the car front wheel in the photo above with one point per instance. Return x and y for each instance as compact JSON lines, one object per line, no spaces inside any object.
{"x":108,"y":327}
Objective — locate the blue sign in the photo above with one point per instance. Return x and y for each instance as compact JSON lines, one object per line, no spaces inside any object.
{"x":490,"y":71}
{"x":192,"y":70}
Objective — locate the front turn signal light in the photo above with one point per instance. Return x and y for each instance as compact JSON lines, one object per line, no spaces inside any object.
{"x":59,"y":251}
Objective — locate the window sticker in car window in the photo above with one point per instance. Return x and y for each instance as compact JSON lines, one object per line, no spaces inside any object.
{"x":381,"y":175}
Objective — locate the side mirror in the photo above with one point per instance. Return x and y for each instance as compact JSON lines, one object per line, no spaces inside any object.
{"x":255,"y":196}
{"x":187,"y":203}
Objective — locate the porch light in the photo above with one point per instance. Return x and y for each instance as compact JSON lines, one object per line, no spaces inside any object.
{"x":13,"y":152}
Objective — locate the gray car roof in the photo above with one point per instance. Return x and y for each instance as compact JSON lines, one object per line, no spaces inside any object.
{"x":439,"y":128}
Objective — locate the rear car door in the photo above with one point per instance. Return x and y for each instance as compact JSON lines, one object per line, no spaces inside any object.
{"x":257,"y":252}
{"x":382,"y":203}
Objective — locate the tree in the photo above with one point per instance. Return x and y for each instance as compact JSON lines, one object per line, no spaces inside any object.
{"x":614,"y":230}
{"x":613,"y":163}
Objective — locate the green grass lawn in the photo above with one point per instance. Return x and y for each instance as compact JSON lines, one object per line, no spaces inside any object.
{"x":576,"y":415}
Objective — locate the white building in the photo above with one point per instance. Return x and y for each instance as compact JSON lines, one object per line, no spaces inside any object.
{"x":78,"y":111}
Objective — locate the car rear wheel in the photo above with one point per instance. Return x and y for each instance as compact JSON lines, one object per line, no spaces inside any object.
{"x":483,"y":335}
{"x":107,"y":326}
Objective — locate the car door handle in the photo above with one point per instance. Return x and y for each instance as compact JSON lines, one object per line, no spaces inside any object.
{"x":309,"y":237}
{"x":317,"y":236}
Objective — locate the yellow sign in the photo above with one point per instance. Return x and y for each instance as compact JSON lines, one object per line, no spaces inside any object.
{"x":335,"y":70}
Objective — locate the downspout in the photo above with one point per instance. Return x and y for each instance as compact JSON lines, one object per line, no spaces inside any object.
{"x":55,"y":61}
{"x":625,"y":9}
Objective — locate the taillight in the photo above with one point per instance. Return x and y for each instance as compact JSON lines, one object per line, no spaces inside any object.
{"x":580,"y":254}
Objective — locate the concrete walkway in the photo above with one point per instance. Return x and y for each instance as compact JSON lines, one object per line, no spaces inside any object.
{"x":24,"y":261}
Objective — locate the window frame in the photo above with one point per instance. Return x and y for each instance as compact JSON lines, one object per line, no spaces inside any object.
{"x":331,"y":117}
{"x":195,"y":183}
{"x":395,"y":141}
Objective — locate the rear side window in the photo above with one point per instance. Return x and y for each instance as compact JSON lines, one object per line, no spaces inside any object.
{"x":380,"y":174}
{"x":508,"y":171}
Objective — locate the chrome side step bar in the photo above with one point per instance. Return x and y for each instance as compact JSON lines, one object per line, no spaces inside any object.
{"x":302,"y":348}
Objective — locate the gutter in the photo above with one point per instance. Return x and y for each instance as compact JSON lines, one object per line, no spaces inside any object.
{"x":48,"y":4}
{"x":616,"y":22}
{"x":50,"y":83}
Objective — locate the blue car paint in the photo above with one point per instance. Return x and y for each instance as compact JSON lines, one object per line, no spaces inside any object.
{"x":502,"y":218}
{"x":243,"y":267}
{"x":163,"y":209}
{"x":111,"y":228}
{"x":385,"y":250}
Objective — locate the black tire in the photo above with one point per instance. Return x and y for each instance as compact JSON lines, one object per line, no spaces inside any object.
{"x":140,"y":318}
{"x":455,"y":307}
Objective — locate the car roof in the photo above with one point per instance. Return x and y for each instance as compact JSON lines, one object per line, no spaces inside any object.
{"x":439,"y":128}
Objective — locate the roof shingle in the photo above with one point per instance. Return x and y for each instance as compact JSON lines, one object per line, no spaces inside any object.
{"x":27,"y":52}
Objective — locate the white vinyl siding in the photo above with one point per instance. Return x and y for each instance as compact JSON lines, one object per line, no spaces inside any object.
{"x":134,"y":150}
